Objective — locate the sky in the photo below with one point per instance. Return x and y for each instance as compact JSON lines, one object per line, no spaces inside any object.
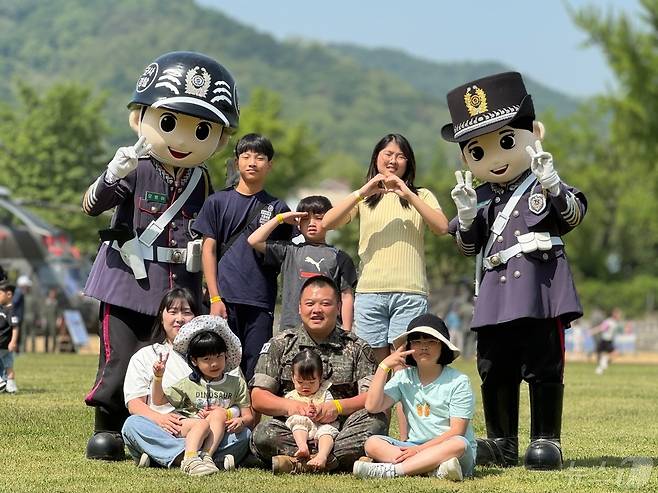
{"x":535,"y":37}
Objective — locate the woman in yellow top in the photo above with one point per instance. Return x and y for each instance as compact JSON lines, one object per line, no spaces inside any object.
{"x":392,"y":288}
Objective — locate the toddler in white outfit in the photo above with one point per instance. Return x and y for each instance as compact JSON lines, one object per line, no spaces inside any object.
{"x":309,"y":388}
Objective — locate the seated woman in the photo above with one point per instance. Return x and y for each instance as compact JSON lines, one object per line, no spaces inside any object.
{"x":437,"y":401}
{"x":151,"y":432}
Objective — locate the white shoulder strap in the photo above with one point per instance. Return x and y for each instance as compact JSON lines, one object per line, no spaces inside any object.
{"x":156,"y":228}
{"x":503,"y":216}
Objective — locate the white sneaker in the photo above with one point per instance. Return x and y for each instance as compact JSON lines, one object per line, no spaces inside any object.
{"x":374,"y":470}
{"x":450,"y":470}
{"x":208,"y":461}
{"x":144,"y":460}
{"x":194,"y":466}
{"x":11,"y":386}
{"x":229,"y":462}
{"x":3,"y":385}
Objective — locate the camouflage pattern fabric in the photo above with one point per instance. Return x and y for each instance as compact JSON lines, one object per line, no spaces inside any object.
{"x":272,"y":437}
{"x":349,"y":365}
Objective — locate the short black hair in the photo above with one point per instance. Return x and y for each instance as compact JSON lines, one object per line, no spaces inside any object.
{"x":307,"y":364}
{"x":255,"y":143}
{"x":320,"y":281}
{"x":314,"y":204}
{"x":205,"y":343}
{"x":445,"y":358}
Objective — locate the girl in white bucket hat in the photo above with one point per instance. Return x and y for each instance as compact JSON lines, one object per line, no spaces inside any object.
{"x":206,"y":396}
{"x":437,"y":401}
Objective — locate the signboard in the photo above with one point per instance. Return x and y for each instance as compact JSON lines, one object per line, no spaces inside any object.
{"x":76,"y":328}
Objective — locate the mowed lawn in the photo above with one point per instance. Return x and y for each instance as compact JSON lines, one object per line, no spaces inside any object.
{"x":609,"y":436}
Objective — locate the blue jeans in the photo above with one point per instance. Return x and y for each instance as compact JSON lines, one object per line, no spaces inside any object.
{"x":6,"y":362}
{"x":466,"y":461}
{"x":142,"y":435}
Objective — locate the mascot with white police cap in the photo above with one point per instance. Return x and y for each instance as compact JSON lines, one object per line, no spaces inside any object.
{"x":184,"y":108}
{"x":525,"y":295}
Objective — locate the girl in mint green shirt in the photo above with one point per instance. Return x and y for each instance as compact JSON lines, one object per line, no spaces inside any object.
{"x":437,"y":401}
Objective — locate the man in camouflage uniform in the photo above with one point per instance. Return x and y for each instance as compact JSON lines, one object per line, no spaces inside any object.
{"x":347,"y":362}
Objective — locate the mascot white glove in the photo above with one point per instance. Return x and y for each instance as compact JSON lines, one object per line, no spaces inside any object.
{"x":542,"y":168}
{"x":465,"y":199}
{"x":125,"y":159}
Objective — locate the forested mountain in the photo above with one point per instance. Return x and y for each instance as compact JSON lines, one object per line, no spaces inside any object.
{"x":436,"y":79}
{"x":347,"y":97}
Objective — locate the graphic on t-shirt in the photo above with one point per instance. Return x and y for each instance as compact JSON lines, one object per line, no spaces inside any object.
{"x":312,"y":261}
{"x":266,"y":214}
{"x":211,"y":397}
{"x":423,"y":409}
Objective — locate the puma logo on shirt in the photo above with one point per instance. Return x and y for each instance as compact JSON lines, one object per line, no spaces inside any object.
{"x":312,"y":261}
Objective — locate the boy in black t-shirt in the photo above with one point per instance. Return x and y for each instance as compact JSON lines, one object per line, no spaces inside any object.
{"x":8,"y":339}
{"x":241,"y":288}
{"x":311,"y":258}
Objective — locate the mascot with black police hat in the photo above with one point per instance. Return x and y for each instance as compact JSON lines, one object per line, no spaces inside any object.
{"x":184,"y":108}
{"x":525,"y":296}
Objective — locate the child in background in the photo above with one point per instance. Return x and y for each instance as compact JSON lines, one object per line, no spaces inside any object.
{"x":8,"y":339}
{"x":241,"y":288}
{"x":205,"y":396}
{"x":437,"y":400}
{"x":605,"y":334}
{"x":310,"y":388}
{"x":311,"y":258}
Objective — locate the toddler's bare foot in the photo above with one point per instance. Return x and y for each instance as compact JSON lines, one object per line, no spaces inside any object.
{"x":317,"y":462}
{"x":302,"y":453}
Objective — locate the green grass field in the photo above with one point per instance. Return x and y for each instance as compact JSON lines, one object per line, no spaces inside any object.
{"x":609,"y":436}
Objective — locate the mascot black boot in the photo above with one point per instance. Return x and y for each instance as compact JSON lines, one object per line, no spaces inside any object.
{"x":544,"y":451}
{"x":106,"y":443}
{"x":501,"y":414}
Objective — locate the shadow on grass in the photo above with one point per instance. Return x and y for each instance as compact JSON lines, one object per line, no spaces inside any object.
{"x":484,"y":472}
{"x":609,"y":461}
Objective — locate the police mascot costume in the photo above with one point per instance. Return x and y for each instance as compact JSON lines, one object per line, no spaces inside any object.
{"x":525,"y":296}
{"x":184,"y":108}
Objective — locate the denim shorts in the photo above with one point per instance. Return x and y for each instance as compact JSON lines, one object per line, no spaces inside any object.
{"x":381,"y":317}
{"x":466,"y":461}
{"x":6,"y":361}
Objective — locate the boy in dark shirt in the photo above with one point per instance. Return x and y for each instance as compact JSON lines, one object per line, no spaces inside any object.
{"x":8,"y":339}
{"x":241,"y":288}
{"x":311,"y":258}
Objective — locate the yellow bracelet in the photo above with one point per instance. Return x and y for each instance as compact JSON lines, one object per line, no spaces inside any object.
{"x":215,"y":299}
{"x":339,"y":407}
{"x":384,"y":367}
{"x":229,"y":414}
{"x":156,"y":378}
{"x":358,"y":196}
{"x":279,"y":218}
